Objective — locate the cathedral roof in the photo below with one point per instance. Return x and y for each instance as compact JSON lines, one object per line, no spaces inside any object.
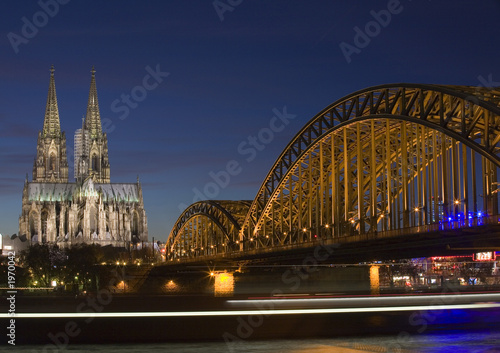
{"x":51,"y":124}
{"x":51,"y":191}
{"x":118,"y":192}
{"x":67,"y":191}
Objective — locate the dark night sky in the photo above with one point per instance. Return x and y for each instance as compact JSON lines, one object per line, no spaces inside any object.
{"x":225,"y":79}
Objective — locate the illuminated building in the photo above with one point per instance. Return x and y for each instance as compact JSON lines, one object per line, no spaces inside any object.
{"x":91,"y":209}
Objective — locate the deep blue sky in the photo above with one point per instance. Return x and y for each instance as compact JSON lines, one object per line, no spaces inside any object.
{"x":225,"y":78}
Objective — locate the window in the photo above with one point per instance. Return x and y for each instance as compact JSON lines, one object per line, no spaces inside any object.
{"x":52,"y":162}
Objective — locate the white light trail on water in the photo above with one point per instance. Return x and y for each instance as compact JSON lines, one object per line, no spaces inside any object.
{"x":321,"y":311}
{"x":434,"y":299}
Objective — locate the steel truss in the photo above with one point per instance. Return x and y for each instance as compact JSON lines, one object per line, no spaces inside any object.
{"x":207,"y":228}
{"x":385,"y":158}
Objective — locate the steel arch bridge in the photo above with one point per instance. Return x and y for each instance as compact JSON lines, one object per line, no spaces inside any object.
{"x":208,"y":228}
{"x":384,"y":159}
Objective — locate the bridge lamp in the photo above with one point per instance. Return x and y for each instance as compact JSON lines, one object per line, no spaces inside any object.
{"x":251,"y":239}
{"x":304,"y":230}
{"x":267,"y":236}
{"x":237,"y":241}
{"x":211,"y":246}
{"x":284,"y":233}
{"x":327,"y":225}
{"x":416,"y":209}
{"x":353,"y":221}
{"x":457,"y":202}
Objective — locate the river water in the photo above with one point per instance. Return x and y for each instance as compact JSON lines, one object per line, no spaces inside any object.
{"x":479,"y":342}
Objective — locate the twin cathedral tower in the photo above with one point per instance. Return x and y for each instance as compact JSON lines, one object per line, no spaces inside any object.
{"x":91,"y":209}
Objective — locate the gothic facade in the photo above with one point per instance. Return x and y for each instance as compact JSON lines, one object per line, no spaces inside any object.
{"x":91,"y":209}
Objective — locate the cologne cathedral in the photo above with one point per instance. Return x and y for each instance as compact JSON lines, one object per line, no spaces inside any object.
{"x":91,"y":209}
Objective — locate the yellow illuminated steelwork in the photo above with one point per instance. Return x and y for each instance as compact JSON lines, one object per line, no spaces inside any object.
{"x":360,"y":166}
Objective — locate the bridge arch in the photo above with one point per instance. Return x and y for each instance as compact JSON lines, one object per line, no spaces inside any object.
{"x":207,"y":228}
{"x":381,"y":159}
{"x":447,"y":124}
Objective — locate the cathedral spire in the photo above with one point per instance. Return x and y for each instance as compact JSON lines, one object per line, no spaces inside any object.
{"x":51,"y":124}
{"x":93,"y":119}
{"x":91,"y":144}
{"x":51,"y":163}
